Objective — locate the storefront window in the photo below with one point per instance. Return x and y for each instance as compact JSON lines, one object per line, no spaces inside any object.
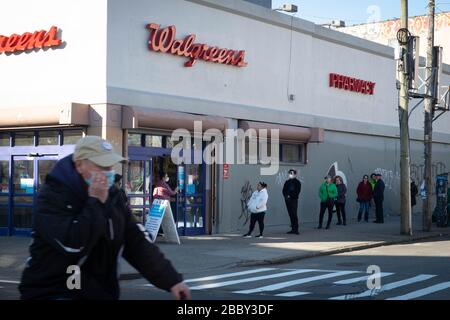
{"x":23,"y":176}
{"x":24,"y":139}
{"x":4,"y":176}
{"x":4,"y":139}
{"x":134,"y":140}
{"x":48,"y":138}
{"x":72,"y":136}
{"x":292,"y":152}
{"x":135,"y":177}
{"x":153,"y":141}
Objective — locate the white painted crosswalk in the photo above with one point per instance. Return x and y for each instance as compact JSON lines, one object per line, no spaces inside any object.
{"x":363,"y":278}
{"x":232,"y":282}
{"x":423,"y":292}
{"x":301,"y":283}
{"x":291,"y":283}
{"x":387,"y":287}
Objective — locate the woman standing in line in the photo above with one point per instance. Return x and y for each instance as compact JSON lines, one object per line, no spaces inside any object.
{"x":365,"y":194}
{"x":257,"y":205}
{"x":327,"y":194}
{"x":340,"y":202}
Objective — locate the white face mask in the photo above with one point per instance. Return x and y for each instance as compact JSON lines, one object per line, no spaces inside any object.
{"x":291,"y":176}
{"x":166,"y":179}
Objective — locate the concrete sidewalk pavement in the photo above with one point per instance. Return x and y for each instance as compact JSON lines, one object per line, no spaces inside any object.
{"x":229,"y":250}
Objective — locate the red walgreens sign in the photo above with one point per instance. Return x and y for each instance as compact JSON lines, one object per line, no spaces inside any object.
{"x":351,"y":84}
{"x":28,"y":41}
{"x":163,"y":40}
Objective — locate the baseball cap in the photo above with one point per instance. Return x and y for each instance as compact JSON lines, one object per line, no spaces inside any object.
{"x":97,"y":150}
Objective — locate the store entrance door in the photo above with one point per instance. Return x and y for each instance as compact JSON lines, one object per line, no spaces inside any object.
{"x":27,"y":174}
{"x":145,"y":167}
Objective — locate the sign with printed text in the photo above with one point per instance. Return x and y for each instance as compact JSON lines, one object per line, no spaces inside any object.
{"x":160,"y":214}
{"x":226,"y":171}
{"x":29,"y":41}
{"x":339,"y":81}
{"x":164,"y":40}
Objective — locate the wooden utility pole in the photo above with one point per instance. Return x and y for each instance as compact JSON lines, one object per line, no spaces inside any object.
{"x":429,"y":115}
{"x":405,"y":191}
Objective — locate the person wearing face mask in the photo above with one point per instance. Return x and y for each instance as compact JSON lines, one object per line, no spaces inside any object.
{"x":291,"y":190}
{"x":82,"y":221}
{"x":162,"y":189}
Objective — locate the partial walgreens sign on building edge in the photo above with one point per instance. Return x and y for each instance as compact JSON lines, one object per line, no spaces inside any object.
{"x":29,"y":41}
{"x":163,"y":40}
{"x":351,"y":84}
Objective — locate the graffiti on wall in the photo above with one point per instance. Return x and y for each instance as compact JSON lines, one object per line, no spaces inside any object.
{"x":246,"y":193}
{"x":334,"y":171}
{"x":388,"y":29}
{"x":417,"y":172}
{"x":281,"y":177}
{"x":391,"y":178}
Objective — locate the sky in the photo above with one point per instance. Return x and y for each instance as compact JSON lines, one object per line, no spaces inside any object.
{"x":358,"y":11}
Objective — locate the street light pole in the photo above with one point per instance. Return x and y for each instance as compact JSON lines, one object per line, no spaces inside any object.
{"x":405,"y":191}
{"x":429,"y":114}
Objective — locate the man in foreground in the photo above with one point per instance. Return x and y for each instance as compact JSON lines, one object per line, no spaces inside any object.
{"x":82,"y":228}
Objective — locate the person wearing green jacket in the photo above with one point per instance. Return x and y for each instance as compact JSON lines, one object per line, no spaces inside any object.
{"x":327,"y":194}
{"x":373,"y":181}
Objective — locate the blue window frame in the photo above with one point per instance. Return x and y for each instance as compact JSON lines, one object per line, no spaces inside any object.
{"x":25,"y":159}
{"x":188,"y":207}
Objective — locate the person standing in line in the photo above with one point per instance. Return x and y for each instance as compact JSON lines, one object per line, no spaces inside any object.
{"x":328,"y":194}
{"x":373,"y":182}
{"x":257,"y":206}
{"x":118,"y":185}
{"x":291,"y":190}
{"x":340,"y":202}
{"x":365,"y":194}
{"x":378,"y":197}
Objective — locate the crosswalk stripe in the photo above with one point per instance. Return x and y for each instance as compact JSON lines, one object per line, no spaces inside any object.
{"x":9,"y":281}
{"x":224,"y":275}
{"x":271,"y":276}
{"x":387,"y":287}
{"x":423,"y":292}
{"x":292,"y":294}
{"x":295,"y":282}
{"x":364,"y":278}
{"x":229,"y":275}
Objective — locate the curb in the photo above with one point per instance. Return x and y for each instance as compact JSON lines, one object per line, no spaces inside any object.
{"x":283,"y":260}
{"x":360,"y":247}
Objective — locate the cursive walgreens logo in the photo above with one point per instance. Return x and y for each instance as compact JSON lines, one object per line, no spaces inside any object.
{"x":163,"y":40}
{"x":28,"y":41}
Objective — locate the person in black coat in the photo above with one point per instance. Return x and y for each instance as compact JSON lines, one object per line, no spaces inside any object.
{"x":378,"y":197}
{"x":81,"y":229}
{"x":291,"y":190}
{"x":340,"y":201}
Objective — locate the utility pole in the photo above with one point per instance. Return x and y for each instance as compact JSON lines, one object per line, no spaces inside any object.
{"x":429,"y":115}
{"x":405,"y":189}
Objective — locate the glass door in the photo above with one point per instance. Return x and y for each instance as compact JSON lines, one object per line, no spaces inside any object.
{"x":191,"y":200}
{"x":28,"y":174}
{"x":22,"y":193}
{"x":139,"y":186}
{"x":4,"y":195}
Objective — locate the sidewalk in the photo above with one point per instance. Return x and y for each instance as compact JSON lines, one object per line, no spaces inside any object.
{"x":229,"y":250}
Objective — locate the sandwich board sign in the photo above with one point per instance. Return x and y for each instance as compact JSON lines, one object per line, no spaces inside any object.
{"x":160,"y":214}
